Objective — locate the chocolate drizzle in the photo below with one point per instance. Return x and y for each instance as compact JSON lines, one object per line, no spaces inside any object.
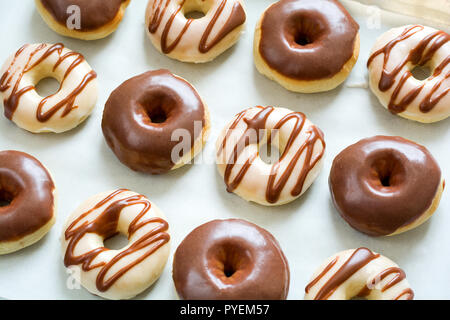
{"x":105,"y":225}
{"x":11,"y":103}
{"x":398,"y":277}
{"x":277,"y":178}
{"x":159,"y":9}
{"x":28,"y":188}
{"x":358,"y":260}
{"x":94,"y":14}
{"x":230,"y":259}
{"x":307,"y":39}
{"x":421,"y":54}
{"x":381,"y":184}
{"x":141,"y":143}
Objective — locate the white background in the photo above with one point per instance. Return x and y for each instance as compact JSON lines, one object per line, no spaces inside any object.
{"x":309,"y":229}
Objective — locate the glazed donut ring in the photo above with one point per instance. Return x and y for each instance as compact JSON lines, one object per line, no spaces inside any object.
{"x":359,"y":273}
{"x":29,"y":195}
{"x":155,"y":122}
{"x":385,"y":185}
{"x":194,"y":40}
{"x":301,"y":145}
{"x":230,"y":260}
{"x":306,"y":46}
{"x":59,"y":112}
{"x":124,"y":273}
{"x":97,"y":18}
{"x":395,"y":54}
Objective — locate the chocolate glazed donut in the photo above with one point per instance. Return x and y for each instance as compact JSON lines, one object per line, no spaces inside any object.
{"x":27,"y":197}
{"x":230,"y":260}
{"x":141,"y":115}
{"x":383,"y":184}
{"x":307,"y":39}
{"x":94,"y":13}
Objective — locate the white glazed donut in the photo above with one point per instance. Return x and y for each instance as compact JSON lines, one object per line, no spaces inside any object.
{"x":116,"y":274}
{"x":194,"y":40}
{"x":359,"y":273}
{"x":395,"y":54}
{"x":300,"y":143}
{"x":62,"y":111}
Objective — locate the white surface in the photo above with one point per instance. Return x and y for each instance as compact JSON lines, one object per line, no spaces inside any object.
{"x":309,"y":229}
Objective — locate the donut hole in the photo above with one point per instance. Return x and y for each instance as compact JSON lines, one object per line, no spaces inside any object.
{"x":116,"y":242}
{"x":157,"y":115}
{"x":5,"y":198}
{"x":421,"y":72}
{"x":269,"y":153}
{"x":47,"y":87}
{"x":157,"y":108}
{"x":304,"y":30}
{"x":196,"y":9}
{"x":229,"y":259}
{"x":194,"y":14}
{"x":388,"y":171}
{"x":302,"y":39}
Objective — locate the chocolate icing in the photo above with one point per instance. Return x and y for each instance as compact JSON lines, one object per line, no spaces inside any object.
{"x":325,"y":28}
{"x":230,"y":259}
{"x":381,"y":184}
{"x":106,"y":226}
{"x":94,"y":13}
{"x":236,"y":18}
{"x":138,"y":142}
{"x":28,"y":188}
{"x":421,"y":54}
{"x":278,"y":178}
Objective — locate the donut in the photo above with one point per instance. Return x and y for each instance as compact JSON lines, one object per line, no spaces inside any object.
{"x":116,"y":274}
{"x":230,"y":260}
{"x":27,"y":201}
{"x":186,"y":39}
{"x":385,"y":185}
{"x":359,"y":273}
{"x":82,"y":19}
{"x":146,"y":117}
{"x":59,"y":112}
{"x":300,"y":143}
{"x":393,"y":58}
{"x":306,"y":45}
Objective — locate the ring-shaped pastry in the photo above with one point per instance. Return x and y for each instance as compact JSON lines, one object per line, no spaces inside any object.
{"x":122,"y":273}
{"x":59,"y":112}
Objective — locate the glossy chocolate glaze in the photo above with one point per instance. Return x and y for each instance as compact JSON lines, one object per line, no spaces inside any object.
{"x":94,"y":13}
{"x":106,"y":225}
{"x":138,"y":142}
{"x":381,"y":184}
{"x":230,"y":259}
{"x":326,"y":29}
{"x":28,"y":188}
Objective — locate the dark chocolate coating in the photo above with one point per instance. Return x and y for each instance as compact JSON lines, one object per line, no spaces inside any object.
{"x":94,"y":13}
{"x":28,"y":188}
{"x":140,"y":143}
{"x":230,"y":260}
{"x":324,"y":27}
{"x":381,"y":184}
